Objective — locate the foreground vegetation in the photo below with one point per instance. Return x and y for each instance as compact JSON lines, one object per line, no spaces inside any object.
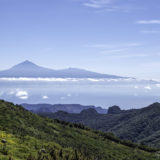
{"x":138,"y":125}
{"x":26,"y":136}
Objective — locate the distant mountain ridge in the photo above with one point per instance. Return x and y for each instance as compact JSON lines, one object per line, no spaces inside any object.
{"x":31,"y":70}
{"x":70,"y":108}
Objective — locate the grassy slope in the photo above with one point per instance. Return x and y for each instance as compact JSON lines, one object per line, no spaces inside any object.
{"x":141,"y":125}
{"x":28,"y":135}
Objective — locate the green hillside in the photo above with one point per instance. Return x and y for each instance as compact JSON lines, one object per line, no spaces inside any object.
{"x":26,"y":136}
{"x":138,"y":125}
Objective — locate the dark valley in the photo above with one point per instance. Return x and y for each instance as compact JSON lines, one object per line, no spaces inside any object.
{"x":137,"y":125}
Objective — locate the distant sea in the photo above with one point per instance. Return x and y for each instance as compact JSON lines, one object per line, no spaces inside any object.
{"x":126,"y":93}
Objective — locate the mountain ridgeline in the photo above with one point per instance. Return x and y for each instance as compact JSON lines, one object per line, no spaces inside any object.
{"x":138,"y":125}
{"x":70,"y":108}
{"x":27,"y":136}
{"x":31,"y":70}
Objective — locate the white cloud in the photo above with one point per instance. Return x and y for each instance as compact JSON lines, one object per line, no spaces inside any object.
{"x":147,"y":87}
{"x":148,"y":22}
{"x":93,"y":80}
{"x":130,"y":55}
{"x":109,"y":5}
{"x":136,"y":87}
{"x":22,"y":94}
{"x":97,"y":3}
{"x":114,"y":51}
{"x":45,"y":97}
{"x":23,"y":97}
{"x":92,"y":5}
{"x":69,"y":95}
{"x":115,"y":46}
{"x":36,"y":79}
{"x":120,"y":50}
{"x":18,"y":91}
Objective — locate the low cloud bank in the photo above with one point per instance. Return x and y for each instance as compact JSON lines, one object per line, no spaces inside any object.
{"x":65,"y":79}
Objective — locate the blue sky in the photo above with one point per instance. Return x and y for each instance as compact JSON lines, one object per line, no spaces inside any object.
{"x":119,"y":37}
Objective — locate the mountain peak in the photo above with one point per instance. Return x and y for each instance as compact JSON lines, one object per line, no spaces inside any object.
{"x":26,"y":62}
{"x":24,"y":65}
{"x":114,"y":110}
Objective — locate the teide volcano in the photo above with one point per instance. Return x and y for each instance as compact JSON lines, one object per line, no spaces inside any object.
{"x":31,"y":70}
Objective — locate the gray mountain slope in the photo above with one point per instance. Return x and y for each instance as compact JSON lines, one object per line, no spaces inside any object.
{"x":29,"y":69}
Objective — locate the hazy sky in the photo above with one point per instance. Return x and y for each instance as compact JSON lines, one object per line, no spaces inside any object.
{"x":119,"y":37}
